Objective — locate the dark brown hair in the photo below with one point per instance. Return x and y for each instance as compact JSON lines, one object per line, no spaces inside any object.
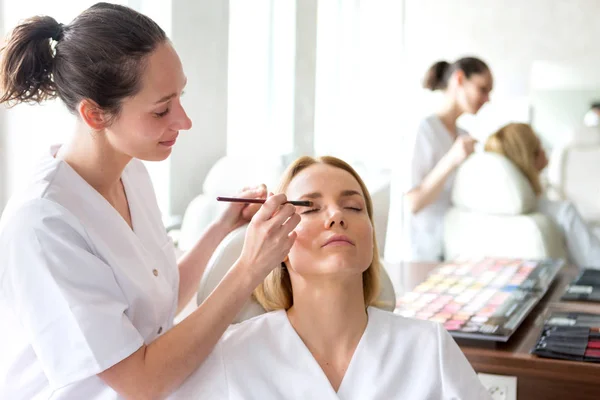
{"x":98,"y":56}
{"x":438,"y":74}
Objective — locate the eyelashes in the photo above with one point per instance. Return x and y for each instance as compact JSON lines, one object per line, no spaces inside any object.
{"x":355,"y":209}
{"x":162,"y":114}
{"x":310,"y":211}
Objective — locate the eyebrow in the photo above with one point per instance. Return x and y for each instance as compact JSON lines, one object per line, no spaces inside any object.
{"x":166,"y":98}
{"x":344,"y":193}
{"x":169,"y":96}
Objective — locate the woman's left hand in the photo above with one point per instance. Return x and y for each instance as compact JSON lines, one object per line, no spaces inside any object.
{"x":238,"y":214}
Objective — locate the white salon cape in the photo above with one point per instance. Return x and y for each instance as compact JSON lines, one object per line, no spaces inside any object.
{"x":396,"y":358}
{"x":419,"y":237}
{"x":79,"y":290}
{"x":583,"y":246}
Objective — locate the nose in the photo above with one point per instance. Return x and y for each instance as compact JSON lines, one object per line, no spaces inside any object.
{"x":336,"y":217}
{"x":183,"y":122}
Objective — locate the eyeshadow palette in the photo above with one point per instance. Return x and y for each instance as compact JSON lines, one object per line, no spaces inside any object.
{"x":486,"y":299}
{"x":570,"y":336}
{"x":586,"y":287}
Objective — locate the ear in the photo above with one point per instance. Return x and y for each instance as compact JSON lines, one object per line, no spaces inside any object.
{"x":92,"y":114}
{"x":460,"y":77}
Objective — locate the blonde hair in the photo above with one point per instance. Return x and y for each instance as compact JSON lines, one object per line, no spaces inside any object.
{"x":276,"y":290}
{"x":519,"y":143}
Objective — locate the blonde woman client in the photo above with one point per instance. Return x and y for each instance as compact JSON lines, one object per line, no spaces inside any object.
{"x":519,"y":143}
{"x":323,"y":338}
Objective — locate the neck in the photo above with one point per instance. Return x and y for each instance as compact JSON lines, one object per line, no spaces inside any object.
{"x":94,"y":159}
{"x":328,"y":314}
{"x":449,"y":113}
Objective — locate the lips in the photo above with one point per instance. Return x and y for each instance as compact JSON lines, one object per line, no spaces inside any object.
{"x":169,"y":142}
{"x":338,"y":239}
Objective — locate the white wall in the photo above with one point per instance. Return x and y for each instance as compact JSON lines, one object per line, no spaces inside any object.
{"x":510,"y":34}
{"x":305,"y":74}
{"x":199,"y":33}
{"x":556,"y":112}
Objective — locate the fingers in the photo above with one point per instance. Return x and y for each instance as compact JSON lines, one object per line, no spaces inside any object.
{"x":256,"y":192}
{"x":288,"y":243}
{"x":270,"y":206}
{"x":291,"y":239}
{"x":466,"y":139}
{"x":468,"y":144}
{"x":291,"y":224}
{"x":286,"y":220}
{"x":253,"y":192}
{"x":283,"y":213}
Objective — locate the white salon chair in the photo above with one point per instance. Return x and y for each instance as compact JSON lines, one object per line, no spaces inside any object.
{"x":573,"y":172}
{"x":494,"y":214}
{"x":228,"y":252}
{"x":226,"y":178}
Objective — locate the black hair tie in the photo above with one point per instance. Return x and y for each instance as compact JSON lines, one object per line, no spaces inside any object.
{"x":58,"y":33}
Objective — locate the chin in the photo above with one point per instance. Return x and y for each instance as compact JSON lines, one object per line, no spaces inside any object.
{"x":474,"y":111}
{"x":343,"y":263}
{"x":155,"y":155}
{"x":478,"y":108}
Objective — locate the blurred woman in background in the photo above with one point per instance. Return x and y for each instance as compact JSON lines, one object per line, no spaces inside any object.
{"x":519,"y":143}
{"x":439,"y":148}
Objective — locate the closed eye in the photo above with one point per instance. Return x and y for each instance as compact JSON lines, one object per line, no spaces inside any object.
{"x":354,"y":208}
{"x":162,"y":114}
{"x":310,"y":211}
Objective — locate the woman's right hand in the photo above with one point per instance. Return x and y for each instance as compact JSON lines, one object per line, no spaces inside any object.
{"x":269,"y":237}
{"x":461,"y":149}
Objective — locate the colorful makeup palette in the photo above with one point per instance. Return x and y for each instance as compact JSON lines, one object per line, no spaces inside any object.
{"x":570,"y":336}
{"x":486,"y":299}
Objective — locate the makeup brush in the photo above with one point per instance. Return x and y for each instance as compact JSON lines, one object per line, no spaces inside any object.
{"x":304,"y":203}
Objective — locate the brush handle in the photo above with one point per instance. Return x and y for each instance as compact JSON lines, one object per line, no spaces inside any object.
{"x":304,"y":203}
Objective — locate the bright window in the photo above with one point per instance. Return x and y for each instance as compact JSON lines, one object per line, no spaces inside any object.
{"x":358,"y":80}
{"x":261,"y":77}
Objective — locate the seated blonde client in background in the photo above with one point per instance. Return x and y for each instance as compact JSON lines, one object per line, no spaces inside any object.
{"x":519,"y":143}
{"x":323,"y":339}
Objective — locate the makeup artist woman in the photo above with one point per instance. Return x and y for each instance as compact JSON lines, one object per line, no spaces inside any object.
{"x":439,"y":148}
{"x":89,"y":284}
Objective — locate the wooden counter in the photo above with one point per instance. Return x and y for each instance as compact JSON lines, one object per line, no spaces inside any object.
{"x":537,"y":378}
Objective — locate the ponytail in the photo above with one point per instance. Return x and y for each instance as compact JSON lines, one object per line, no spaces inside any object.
{"x":27,"y":62}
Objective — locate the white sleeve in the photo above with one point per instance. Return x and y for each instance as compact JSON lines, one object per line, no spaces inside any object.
{"x":582,"y":244}
{"x":420,"y":160}
{"x":65,"y":297}
{"x":208,"y":382}
{"x":459,"y":380}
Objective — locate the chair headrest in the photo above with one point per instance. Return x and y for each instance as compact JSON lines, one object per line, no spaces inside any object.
{"x":228,"y":252}
{"x":490,"y":183}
